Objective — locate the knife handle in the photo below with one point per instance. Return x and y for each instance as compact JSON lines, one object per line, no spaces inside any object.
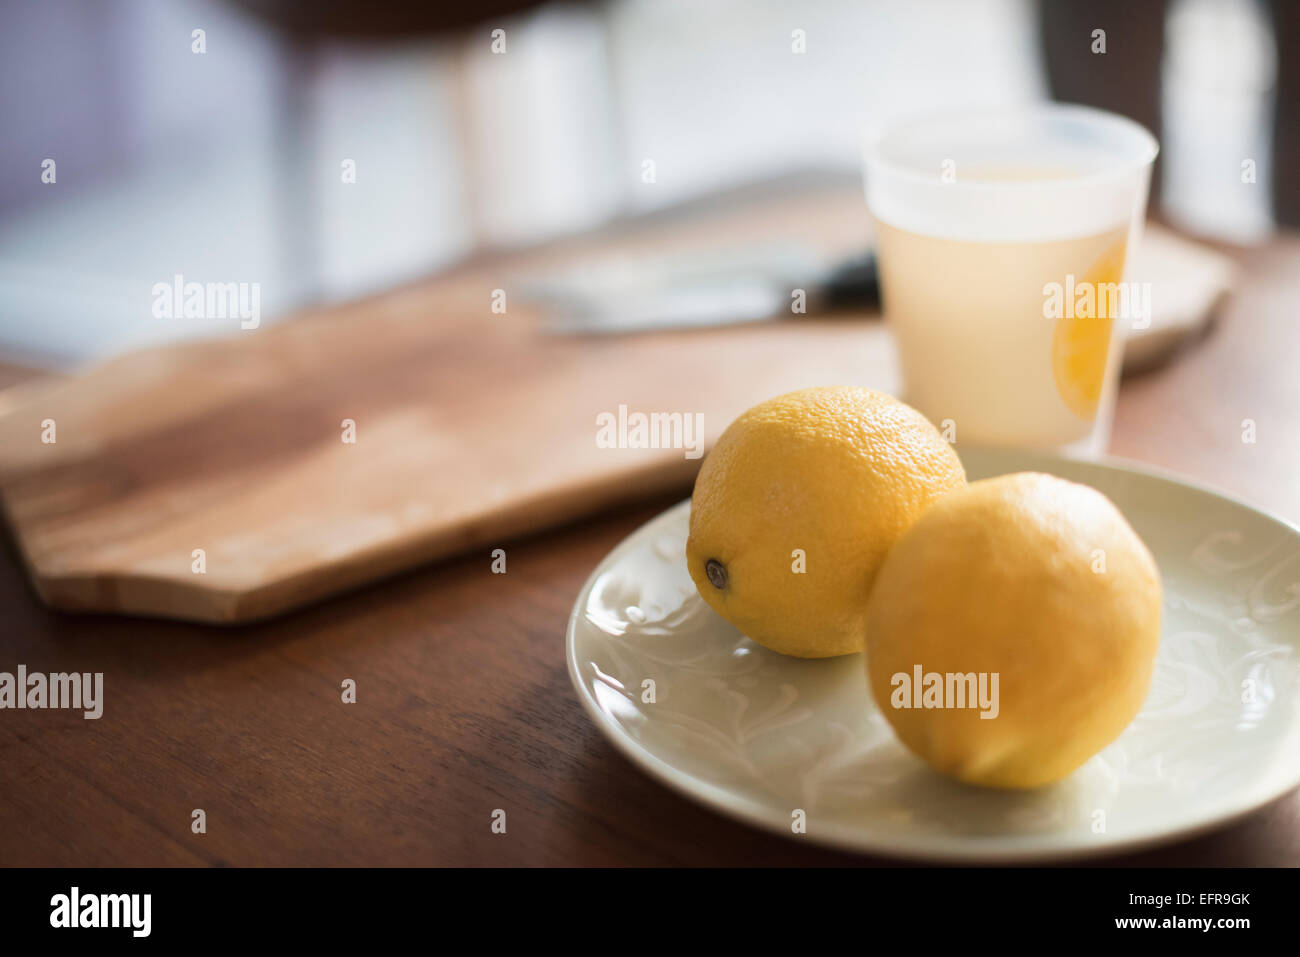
{"x":853,"y":284}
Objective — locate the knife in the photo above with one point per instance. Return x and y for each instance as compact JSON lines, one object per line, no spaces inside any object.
{"x":720,"y":288}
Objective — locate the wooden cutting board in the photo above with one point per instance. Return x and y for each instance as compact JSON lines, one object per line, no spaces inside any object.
{"x":471,"y":428}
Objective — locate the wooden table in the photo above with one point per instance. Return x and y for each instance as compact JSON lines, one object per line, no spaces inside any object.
{"x":463,"y":704}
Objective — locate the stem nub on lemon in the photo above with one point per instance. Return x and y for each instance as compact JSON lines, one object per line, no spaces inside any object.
{"x":797,"y":506}
{"x":1032,"y":579}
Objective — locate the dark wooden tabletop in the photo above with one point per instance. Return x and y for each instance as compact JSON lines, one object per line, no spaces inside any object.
{"x":463,"y":704}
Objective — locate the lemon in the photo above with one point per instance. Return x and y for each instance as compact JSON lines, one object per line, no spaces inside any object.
{"x":1032,"y":579}
{"x":797,"y":505}
{"x":1081,"y":344}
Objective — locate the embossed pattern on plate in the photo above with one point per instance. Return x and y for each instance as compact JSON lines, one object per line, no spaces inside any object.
{"x":757,"y":735}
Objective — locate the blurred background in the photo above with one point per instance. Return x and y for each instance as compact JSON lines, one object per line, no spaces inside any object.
{"x":212,"y":138}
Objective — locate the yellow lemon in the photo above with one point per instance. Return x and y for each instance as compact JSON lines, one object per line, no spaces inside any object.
{"x":797,"y":505}
{"x":1012,"y":631}
{"x":1081,"y":343}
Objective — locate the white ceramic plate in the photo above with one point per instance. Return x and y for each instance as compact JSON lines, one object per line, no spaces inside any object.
{"x":758,"y":736}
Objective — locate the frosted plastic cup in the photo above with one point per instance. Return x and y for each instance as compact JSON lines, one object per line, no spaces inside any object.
{"x":1002,"y":242}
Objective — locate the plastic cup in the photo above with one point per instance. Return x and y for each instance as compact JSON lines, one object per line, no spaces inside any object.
{"x":1002,"y":242}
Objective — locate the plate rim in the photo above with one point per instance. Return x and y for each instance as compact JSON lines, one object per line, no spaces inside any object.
{"x":847,"y":839}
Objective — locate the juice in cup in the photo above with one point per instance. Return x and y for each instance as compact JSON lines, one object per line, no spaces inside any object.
{"x":1002,"y":241}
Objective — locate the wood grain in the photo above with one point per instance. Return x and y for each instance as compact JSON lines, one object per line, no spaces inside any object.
{"x":1189,"y":415}
{"x":463,"y":707}
{"x":463,"y":703}
{"x":471,"y":427}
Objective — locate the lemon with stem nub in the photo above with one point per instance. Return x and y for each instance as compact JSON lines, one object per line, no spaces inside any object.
{"x":798,"y":504}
